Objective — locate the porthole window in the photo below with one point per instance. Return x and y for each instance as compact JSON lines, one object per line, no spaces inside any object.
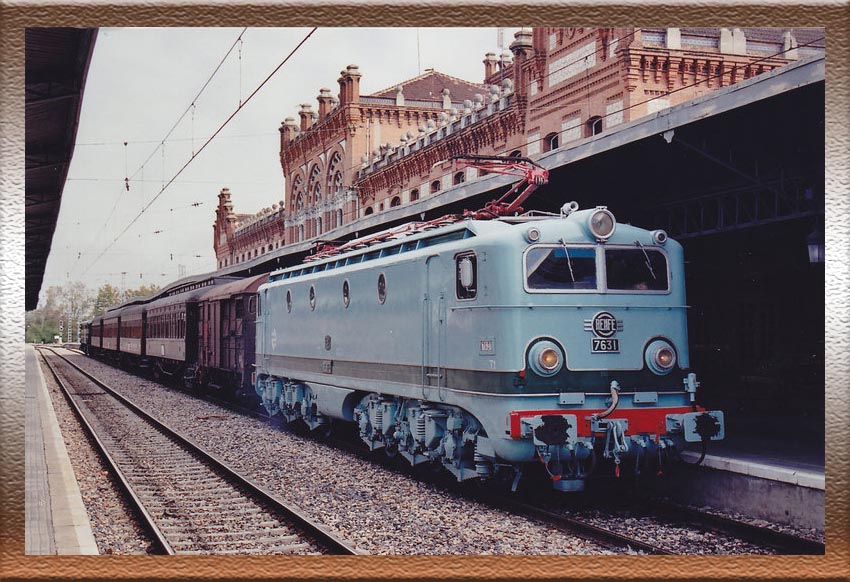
{"x":289,"y":301}
{"x":382,"y":288}
{"x":346,"y":296}
{"x":312,"y":298}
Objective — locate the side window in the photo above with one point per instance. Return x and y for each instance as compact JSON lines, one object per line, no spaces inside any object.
{"x":252,"y":304}
{"x":466,"y":276}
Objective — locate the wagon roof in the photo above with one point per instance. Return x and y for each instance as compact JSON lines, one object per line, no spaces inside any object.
{"x":247,"y":285}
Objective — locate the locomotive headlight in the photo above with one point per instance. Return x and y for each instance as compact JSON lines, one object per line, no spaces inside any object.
{"x":545,"y":358}
{"x":602,"y":223}
{"x":660,"y":357}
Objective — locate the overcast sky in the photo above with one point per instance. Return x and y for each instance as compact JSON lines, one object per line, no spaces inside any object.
{"x":141,"y":80}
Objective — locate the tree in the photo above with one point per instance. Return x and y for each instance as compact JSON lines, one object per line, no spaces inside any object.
{"x":142,"y":291}
{"x":77,"y":302}
{"x":69,"y":304}
{"x":107,"y":296}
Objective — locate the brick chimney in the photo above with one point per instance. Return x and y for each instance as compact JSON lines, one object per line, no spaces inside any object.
{"x":306,"y":115}
{"x":489,"y":65}
{"x":325,"y":100}
{"x":354,"y":75}
{"x":288,"y":131}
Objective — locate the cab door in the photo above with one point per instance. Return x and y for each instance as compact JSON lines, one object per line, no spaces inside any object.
{"x":437,"y":285}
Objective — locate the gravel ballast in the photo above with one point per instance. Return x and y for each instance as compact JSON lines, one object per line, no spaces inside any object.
{"x":379,"y":511}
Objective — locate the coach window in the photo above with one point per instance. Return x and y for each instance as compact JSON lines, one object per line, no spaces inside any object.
{"x":466,"y":276}
{"x":382,"y":288}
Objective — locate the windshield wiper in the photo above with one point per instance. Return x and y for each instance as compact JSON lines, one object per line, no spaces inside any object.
{"x":569,"y":263}
{"x":646,"y":257}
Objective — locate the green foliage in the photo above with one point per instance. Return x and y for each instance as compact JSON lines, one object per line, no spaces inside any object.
{"x":74,"y":303}
{"x":107,"y":296}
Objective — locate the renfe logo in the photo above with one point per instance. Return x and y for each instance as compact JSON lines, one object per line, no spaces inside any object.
{"x":605,"y":325}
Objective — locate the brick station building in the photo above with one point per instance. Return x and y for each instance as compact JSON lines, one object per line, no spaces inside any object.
{"x":359,"y":155}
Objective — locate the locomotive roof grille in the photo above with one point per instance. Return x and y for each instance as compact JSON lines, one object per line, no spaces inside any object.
{"x":386,"y":251}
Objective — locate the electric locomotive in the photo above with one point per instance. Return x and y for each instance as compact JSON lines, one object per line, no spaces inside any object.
{"x":485,"y":345}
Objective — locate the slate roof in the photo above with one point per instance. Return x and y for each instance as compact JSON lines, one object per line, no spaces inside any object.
{"x":429,"y":87}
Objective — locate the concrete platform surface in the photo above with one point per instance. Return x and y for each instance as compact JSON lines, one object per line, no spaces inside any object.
{"x":55,"y":516}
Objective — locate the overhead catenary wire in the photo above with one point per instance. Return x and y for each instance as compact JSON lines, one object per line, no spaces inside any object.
{"x":161,"y":142}
{"x":205,"y":144}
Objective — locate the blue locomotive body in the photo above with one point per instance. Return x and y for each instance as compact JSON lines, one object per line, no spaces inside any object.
{"x":484,"y":345}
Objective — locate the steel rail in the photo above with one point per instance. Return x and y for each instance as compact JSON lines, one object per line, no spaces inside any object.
{"x":147,"y":521}
{"x":605,"y":537}
{"x":782,"y":542}
{"x":297,"y":515}
{"x":785,"y":543}
{"x":601,"y":535}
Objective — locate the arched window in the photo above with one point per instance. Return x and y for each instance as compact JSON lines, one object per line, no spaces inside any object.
{"x":414,"y":195}
{"x":339,"y":217}
{"x":297,"y":193}
{"x":396,"y":201}
{"x":300,"y":232}
{"x":435,"y":186}
{"x":314,"y":187}
{"x":594,"y":126}
{"x":319,"y":226}
{"x":550,"y":142}
{"x":516,"y":154}
{"x":459,"y":178}
{"x":334,"y":180}
{"x":368,"y":211}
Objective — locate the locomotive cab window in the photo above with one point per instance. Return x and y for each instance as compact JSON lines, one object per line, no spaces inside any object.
{"x":636,"y":269}
{"x":466,"y":276}
{"x":560,"y":268}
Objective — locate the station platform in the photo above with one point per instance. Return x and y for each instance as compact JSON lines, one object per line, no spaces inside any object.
{"x":55,"y":517}
{"x":780,"y":479}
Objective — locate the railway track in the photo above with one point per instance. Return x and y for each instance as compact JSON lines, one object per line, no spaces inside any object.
{"x":604,"y":531}
{"x":188,"y":500}
{"x":782,"y":542}
{"x":565,"y":516}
